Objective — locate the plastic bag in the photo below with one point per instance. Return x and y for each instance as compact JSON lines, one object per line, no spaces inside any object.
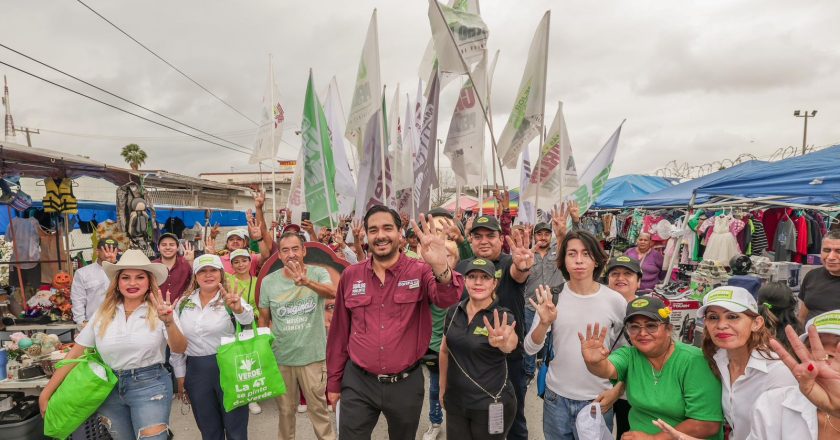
{"x":591,"y":425}
{"x":248,"y":370}
{"x":81,"y":393}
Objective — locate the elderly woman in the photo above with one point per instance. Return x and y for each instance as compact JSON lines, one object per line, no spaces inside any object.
{"x":651,"y":261}
{"x":736,"y":345}
{"x":665,"y":379}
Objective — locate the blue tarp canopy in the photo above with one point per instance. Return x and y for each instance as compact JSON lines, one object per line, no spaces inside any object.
{"x":631,"y":186}
{"x":812,"y":179}
{"x":680,"y":195}
{"x":100,"y":211}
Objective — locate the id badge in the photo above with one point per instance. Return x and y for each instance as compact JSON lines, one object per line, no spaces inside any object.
{"x":496,"y":418}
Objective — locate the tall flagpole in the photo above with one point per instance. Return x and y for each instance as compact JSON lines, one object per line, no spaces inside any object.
{"x":273,"y":143}
{"x":542,"y":122}
{"x":484,"y":109}
{"x":382,"y":147}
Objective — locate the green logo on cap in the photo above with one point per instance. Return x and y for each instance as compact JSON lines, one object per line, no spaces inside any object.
{"x":639,"y":303}
{"x":499,"y":273}
{"x":720,"y":295}
{"x":826,"y":320}
{"x":479,"y":262}
{"x":623,"y":259}
{"x":206,"y":259}
{"x":483,"y":220}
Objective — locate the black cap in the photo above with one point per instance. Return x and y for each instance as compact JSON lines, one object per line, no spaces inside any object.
{"x":483,"y":265}
{"x":167,"y":235}
{"x":626,"y":262}
{"x":487,"y":222}
{"x":441,"y":212}
{"x":542,"y":226}
{"x":107,"y":242}
{"x":650,"y":306}
{"x":409,"y":232}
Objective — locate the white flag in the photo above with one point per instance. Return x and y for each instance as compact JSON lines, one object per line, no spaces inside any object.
{"x":370,"y":188}
{"x":297,"y":201}
{"x":427,"y":64}
{"x":525,"y":120}
{"x":403,"y":165}
{"x":465,"y":140}
{"x":345,"y":186}
{"x":595,"y":176}
{"x":527,"y":211}
{"x":556,"y":176}
{"x":470,"y":33}
{"x":367,"y":94}
{"x":424,"y":160}
{"x":270,"y":131}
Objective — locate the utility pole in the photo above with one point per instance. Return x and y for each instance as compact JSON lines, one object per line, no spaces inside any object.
{"x":28,"y":131}
{"x":805,"y":114}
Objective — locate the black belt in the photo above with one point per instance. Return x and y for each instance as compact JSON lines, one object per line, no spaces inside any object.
{"x":389,"y":378}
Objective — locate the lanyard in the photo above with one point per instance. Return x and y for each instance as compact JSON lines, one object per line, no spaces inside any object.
{"x":504,"y":382}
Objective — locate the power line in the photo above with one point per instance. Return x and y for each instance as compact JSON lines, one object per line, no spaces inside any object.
{"x":118,"y":97}
{"x":121,"y":109}
{"x":168,"y":63}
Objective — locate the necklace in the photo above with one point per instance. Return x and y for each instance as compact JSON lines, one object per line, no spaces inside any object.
{"x":656,"y":377}
{"x":828,"y":423}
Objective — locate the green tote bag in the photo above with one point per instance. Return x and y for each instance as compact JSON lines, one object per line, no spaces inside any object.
{"x":248,"y":370}
{"x":80,"y":394}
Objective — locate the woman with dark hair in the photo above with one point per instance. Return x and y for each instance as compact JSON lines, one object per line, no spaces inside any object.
{"x":777,"y":304}
{"x":569,"y":386}
{"x":651,"y":261}
{"x":736,"y":345}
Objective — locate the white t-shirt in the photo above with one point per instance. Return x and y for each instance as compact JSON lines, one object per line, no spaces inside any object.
{"x":567,"y":373}
{"x":127,"y":344}
{"x":739,"y":399}
{"x":782,"y":414}
{"x":88,"y":291}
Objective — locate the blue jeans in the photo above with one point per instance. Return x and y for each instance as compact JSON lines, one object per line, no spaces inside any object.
{"x":435,"y":411}
{"x":530,"y":362}
{"x":560,"y":414}
{"x":142,"y":399}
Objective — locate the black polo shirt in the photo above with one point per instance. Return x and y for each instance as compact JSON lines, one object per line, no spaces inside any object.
{"x":467,"y":342}
{"x":510,"y":294}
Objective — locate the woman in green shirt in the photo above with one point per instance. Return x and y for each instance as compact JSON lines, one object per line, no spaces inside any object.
{"x":664,"y":379}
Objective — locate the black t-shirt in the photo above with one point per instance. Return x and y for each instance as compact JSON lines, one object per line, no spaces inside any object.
{"x":509,"y":294}
{"x":468,"y":344}
{"x":820,"y":291}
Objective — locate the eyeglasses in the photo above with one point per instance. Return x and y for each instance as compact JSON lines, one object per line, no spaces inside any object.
{"x":649,"y":327}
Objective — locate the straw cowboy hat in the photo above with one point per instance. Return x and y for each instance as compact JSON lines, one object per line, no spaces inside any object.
{"x":136,"y":259}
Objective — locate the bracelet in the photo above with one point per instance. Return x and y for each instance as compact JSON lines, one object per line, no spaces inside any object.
{"x":438,"y":277}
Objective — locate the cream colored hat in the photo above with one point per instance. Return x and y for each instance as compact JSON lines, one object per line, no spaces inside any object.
{"x":136,"y":259}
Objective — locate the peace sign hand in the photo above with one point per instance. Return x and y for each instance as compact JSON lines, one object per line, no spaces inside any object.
{"x":523,"y":256}
{"x":357,"y":226}
{"x":232,"y":297}
{"x":592,"y":346}
{"x":498,"y":334}
{"x":189,"y":252}
{"x":817,"y":380}
{"x":259,"y":199}
{"x":432,"y":247}
{"x":545,"y":307}
{"x":164,"y":308}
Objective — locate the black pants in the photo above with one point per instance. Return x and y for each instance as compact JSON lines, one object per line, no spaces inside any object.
{"x":516,"y":373}
{"x":363,"y":398}
{"x":473,"y":424}
{"x":622,"y":417}
{"x":205,"y":393}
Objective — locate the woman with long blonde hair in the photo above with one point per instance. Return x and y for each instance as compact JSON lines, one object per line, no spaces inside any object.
{"x":130,"y":330}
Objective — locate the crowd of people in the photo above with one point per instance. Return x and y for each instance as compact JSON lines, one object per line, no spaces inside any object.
{"x":485,"y":306}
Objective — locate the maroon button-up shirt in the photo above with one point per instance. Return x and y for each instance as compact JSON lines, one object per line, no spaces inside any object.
{"x":178,"y":280}
{"x":385,"y":327}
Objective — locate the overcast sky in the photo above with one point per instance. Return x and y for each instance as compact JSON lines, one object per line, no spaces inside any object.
{"x":697,"y":81}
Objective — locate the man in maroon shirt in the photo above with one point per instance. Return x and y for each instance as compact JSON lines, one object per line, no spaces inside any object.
{"x":382,"y":327}
{"x":180,"y":268}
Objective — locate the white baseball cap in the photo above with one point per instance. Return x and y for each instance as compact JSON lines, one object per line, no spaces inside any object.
{"x":206,"y":260}
{"x":732,"y":298}
{"x":241,"y":233}
{"x":240,"y":253}
{"x":828,"y":322}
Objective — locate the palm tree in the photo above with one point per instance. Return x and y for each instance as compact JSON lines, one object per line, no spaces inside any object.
{"x":134,"y":156}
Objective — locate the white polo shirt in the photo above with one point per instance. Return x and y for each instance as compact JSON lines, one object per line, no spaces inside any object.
{"x":127,"y":343}
{"x":88,"y":291}
{"x":782,"y":414}
{"x":204,"y":327}
{"x":739,"y":399}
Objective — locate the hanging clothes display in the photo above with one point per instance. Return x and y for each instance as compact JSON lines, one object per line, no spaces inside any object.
{"x":784,"y":242}
{"x":26,"y":242}
{"x":721,"y":245}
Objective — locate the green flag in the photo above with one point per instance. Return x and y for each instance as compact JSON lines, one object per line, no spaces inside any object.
{"x":318,"y":164}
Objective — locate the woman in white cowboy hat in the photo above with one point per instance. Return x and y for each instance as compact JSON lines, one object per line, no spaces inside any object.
{"x":206,"y":315}
{"x":130,"y":330}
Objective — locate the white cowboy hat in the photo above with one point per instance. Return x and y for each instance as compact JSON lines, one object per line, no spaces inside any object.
{"x":136,"y":259}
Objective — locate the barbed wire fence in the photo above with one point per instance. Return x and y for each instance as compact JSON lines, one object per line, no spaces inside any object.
{"x":684,"y":170}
